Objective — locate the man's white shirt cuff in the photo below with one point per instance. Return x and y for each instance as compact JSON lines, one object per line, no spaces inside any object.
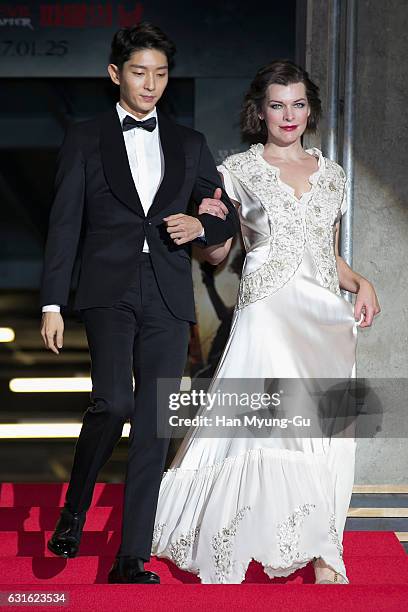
{"x":51,"y":308}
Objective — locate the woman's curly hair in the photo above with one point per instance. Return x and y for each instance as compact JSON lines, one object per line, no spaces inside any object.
{"x":281,"y":72}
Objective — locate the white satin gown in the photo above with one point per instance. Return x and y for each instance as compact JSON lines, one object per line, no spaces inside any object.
{"x":280,"y":501}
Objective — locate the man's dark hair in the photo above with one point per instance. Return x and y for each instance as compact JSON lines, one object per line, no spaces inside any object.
{"x":282,"y":72}
{"x":142,"y":36}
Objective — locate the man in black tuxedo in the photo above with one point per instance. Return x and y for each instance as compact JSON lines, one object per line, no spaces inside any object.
{"x":123,"y":187}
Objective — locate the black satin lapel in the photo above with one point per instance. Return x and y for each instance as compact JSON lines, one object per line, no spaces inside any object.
{"x":116,"y":163}
{"x":174,"y":165}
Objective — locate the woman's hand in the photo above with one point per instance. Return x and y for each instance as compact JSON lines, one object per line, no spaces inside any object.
{"x":366,"y":303}
{"x":214,"y":206}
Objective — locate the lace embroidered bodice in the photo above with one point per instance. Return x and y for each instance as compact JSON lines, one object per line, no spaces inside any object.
{"x":277,"y":226}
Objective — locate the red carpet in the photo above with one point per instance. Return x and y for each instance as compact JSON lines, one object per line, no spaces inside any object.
{"x":377,"y":565}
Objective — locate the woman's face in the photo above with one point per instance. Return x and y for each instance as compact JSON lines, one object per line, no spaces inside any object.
{"x":285,"y":111}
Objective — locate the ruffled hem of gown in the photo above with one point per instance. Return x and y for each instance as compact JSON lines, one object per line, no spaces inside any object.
{"x":268,"y":568}
{"x":210,"y":518}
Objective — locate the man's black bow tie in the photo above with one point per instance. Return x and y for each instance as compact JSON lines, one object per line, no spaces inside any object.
{"x":129,"y":123}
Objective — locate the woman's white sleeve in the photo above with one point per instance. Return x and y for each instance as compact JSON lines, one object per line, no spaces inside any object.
{"x":344,"y":204}
{"x":228,"y":183}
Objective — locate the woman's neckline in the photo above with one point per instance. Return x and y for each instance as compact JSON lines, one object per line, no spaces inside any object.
{"x":313,"y":151}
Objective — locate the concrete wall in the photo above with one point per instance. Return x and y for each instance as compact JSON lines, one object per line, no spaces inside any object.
{"x":380,"y":226}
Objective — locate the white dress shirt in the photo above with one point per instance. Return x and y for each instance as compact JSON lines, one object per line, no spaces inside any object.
{"x":145,"y":159}
{"x":146,"y":164}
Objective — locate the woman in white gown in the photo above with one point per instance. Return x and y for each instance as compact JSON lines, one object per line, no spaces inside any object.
{"x":281,"y":501}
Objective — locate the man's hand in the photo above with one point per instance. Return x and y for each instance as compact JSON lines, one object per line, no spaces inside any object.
{"x":52,"y":331}
{"x":183,"y":228}
{"x":214,"y":206}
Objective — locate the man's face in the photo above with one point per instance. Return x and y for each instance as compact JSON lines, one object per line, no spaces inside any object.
{"x":142,"y":80}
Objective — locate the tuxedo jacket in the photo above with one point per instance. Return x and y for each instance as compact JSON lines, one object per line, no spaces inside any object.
{"x":97,"y":212}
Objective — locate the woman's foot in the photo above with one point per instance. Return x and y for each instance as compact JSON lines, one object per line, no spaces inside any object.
{"x":325,"y":574}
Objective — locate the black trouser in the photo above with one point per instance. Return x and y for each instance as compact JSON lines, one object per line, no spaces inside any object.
{"x":140,"y":335}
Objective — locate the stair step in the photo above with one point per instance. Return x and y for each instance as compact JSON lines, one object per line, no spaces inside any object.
{"x":229,"y":598}
{"x":33,"y":543}
{"x":53,"y":494}
{"x":378,"y":512}
{"x":376,"y":524}
{"x":384,"y":500}
{"x":35,"y":518}
{"x":93,"y":569}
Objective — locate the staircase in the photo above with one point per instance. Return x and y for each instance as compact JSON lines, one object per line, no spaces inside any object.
{"x":376,"y":561}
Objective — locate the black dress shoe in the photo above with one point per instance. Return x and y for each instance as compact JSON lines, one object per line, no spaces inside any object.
{"x":67,"y":535}
{"x":130,"y":570}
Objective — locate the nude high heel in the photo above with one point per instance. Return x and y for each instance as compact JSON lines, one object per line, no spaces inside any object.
{"x":337,"y":578}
